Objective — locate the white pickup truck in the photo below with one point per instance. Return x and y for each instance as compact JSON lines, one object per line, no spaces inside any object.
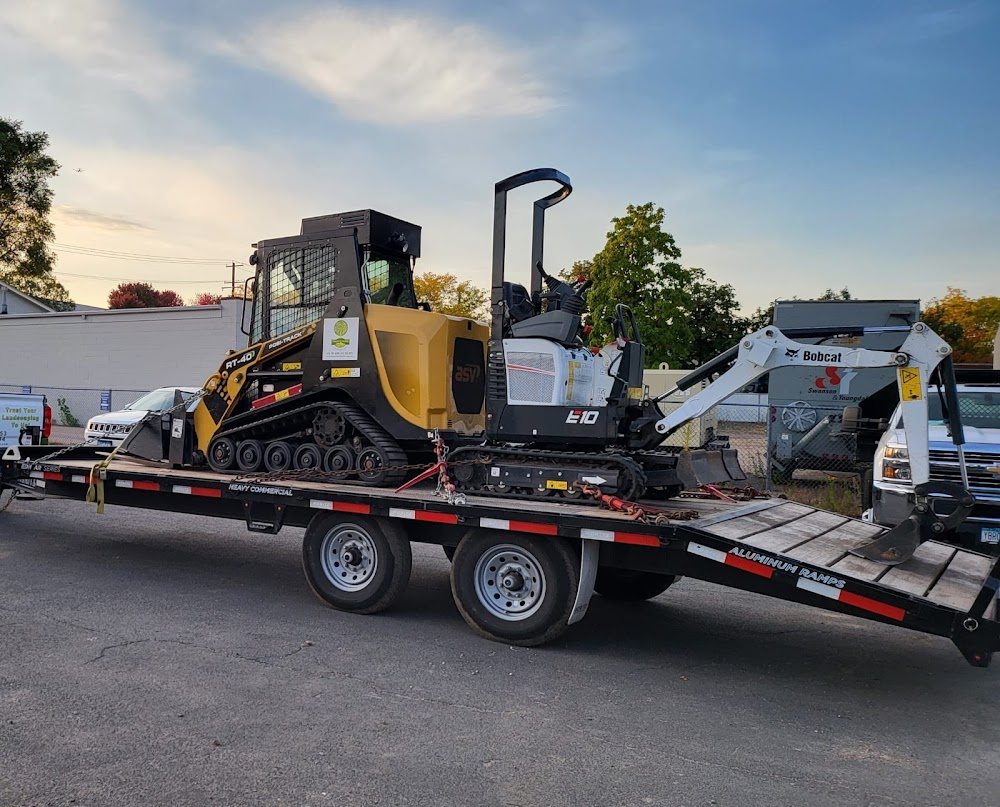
{"x":24,"y":419}
{"x":892,"y":494}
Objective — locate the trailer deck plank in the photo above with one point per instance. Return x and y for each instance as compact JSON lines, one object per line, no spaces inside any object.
{"x":759,"y":521}
{"x":920,"y":572}
{"x":861,"y":568}
{"x":962,"y":580}
{"x":828,"y":548}
{"x":806,"y":528}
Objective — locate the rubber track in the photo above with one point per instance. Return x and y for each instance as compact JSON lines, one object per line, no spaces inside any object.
{"x":366,"y":426}
{"x":634,"y":477}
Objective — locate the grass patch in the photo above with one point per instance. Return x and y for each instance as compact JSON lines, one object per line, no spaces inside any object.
{"x":841,"y":496}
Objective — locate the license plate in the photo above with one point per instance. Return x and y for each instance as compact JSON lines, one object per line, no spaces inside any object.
{"x":989,"y":535}
{"x":103,"y":442}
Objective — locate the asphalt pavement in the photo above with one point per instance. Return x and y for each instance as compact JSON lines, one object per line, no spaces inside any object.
{"x":150,"y":659}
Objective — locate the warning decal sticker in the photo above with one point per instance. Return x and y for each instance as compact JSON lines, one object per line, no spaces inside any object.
{"x":910,"y":388}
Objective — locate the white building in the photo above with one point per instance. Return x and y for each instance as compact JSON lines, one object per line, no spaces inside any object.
{"x":13,"y":301}
{"x":136,"y":349}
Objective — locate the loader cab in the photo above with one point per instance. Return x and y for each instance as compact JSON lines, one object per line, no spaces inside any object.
{"x":297,"y":276}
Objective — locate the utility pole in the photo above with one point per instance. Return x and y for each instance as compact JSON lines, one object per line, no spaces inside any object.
{"x":233,"y":265}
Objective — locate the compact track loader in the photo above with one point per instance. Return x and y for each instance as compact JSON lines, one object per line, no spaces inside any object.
{"x":348,"y":372}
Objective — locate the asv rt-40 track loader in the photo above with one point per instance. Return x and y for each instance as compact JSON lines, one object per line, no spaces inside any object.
{"x":348,"y":372}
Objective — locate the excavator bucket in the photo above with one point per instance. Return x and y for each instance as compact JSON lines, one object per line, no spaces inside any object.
{"x":701,"y":466}
{"x":898,"y":544}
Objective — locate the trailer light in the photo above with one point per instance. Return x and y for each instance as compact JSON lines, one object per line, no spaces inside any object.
{"x":47,"y":421}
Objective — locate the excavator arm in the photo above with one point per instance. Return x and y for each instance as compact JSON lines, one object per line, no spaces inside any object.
{"x":918,"y":356}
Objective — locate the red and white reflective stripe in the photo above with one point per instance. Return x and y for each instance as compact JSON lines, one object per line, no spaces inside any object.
{"x":36,"y":475}
{"x":518,"y":526}
{"x":79,"y":479}
{"x":188,"y":490}
{"x":137,"y":484}
{"x":280,"y":395}
{"x":634,"y":538}
{"x":730,"y":560}
{"x":423,"y":515}
{"x":848,"y":598}
{"x":52,"y":476}
{"x":343,"y":507}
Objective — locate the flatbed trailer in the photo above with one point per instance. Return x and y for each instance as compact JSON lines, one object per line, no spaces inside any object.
{"x":523,"y":570}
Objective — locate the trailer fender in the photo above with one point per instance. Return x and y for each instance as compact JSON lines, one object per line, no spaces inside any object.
{"x":589,"y":551}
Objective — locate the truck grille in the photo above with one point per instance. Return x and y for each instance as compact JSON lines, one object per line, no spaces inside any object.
{"x":111,"y":428}
{"x":944,"y":468}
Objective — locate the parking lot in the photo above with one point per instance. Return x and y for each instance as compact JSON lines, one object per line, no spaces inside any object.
{"x":163,"y":659}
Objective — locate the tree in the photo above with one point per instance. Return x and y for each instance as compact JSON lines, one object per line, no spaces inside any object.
{"x":715,"y":326}
{"x":830,"y":294}
{"x":25,"y":201}
{"x":969,"y":325}
{"x":142,"y":295}
{"x":448,"y":295}
{"x":638,"y":267}
{"x":207,"y":298}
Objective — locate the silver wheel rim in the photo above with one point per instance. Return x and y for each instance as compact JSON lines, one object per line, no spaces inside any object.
{"x":510,"y":583}
{"x":349,"y":557}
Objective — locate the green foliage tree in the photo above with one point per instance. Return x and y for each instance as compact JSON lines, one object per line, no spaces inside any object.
{"x":26,"y":261}
{"x":715,"y":326}
{"x":638,"y":267}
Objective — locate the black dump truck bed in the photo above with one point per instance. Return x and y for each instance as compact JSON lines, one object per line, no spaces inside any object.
{"x":771,"y":546}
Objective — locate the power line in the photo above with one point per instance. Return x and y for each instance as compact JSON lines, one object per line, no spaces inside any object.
{"x":144,"y":280}
{"x":134,"y":256}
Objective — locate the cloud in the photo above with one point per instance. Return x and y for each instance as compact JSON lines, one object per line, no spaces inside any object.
{"x":90,"y":218}
{"x":391,"y":68}
{"x":102,"y":39}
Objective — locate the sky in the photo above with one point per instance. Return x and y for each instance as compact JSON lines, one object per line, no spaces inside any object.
{"x":795,"y":145}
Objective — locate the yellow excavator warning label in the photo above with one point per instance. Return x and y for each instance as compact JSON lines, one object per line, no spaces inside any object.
{"x":555,"y":484}
{"x":345,"y":372}
{"x":910,"y":388}
{"x":290,"y":366}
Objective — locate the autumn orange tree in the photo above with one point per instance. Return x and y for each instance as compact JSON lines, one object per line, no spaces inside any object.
{"x":449,"y":295}
{"x":968,"y":324}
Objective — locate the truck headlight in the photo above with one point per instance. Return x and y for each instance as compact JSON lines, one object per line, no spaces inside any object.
{"x":896,"y":464}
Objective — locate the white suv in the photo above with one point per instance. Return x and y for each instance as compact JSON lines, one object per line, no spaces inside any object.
{"x":111,"y":428}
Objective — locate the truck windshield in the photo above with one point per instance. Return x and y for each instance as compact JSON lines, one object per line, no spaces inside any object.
{"x":979,"y":409}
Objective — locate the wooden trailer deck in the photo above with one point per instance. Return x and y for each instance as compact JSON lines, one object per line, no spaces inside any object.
{"x":937,"y":572}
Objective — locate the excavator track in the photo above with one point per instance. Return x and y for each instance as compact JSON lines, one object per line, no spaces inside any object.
{"x":370,"y":453}
{"x":489,"y":473}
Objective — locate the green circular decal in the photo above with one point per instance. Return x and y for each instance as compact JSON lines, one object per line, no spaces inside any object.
{"x":340,"y":327}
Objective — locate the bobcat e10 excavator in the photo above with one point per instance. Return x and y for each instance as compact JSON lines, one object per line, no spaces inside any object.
{"x":346,"y":372}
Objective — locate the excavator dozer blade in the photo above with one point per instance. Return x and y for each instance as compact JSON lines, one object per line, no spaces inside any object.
{"x":700,"y":466}
{"x":894,"y":546}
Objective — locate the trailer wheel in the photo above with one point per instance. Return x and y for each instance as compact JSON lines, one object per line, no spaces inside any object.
{"x":515,"y":588}
{"x":625,"y":585}
{"x":356,"y":563}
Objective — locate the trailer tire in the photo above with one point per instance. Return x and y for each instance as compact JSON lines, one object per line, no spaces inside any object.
{"x":625,"y":585}
{"x":356,"y":563}
{"x":532,"y":604}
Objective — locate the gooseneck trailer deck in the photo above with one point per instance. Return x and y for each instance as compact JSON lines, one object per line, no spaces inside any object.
{"x":523,"y":570}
